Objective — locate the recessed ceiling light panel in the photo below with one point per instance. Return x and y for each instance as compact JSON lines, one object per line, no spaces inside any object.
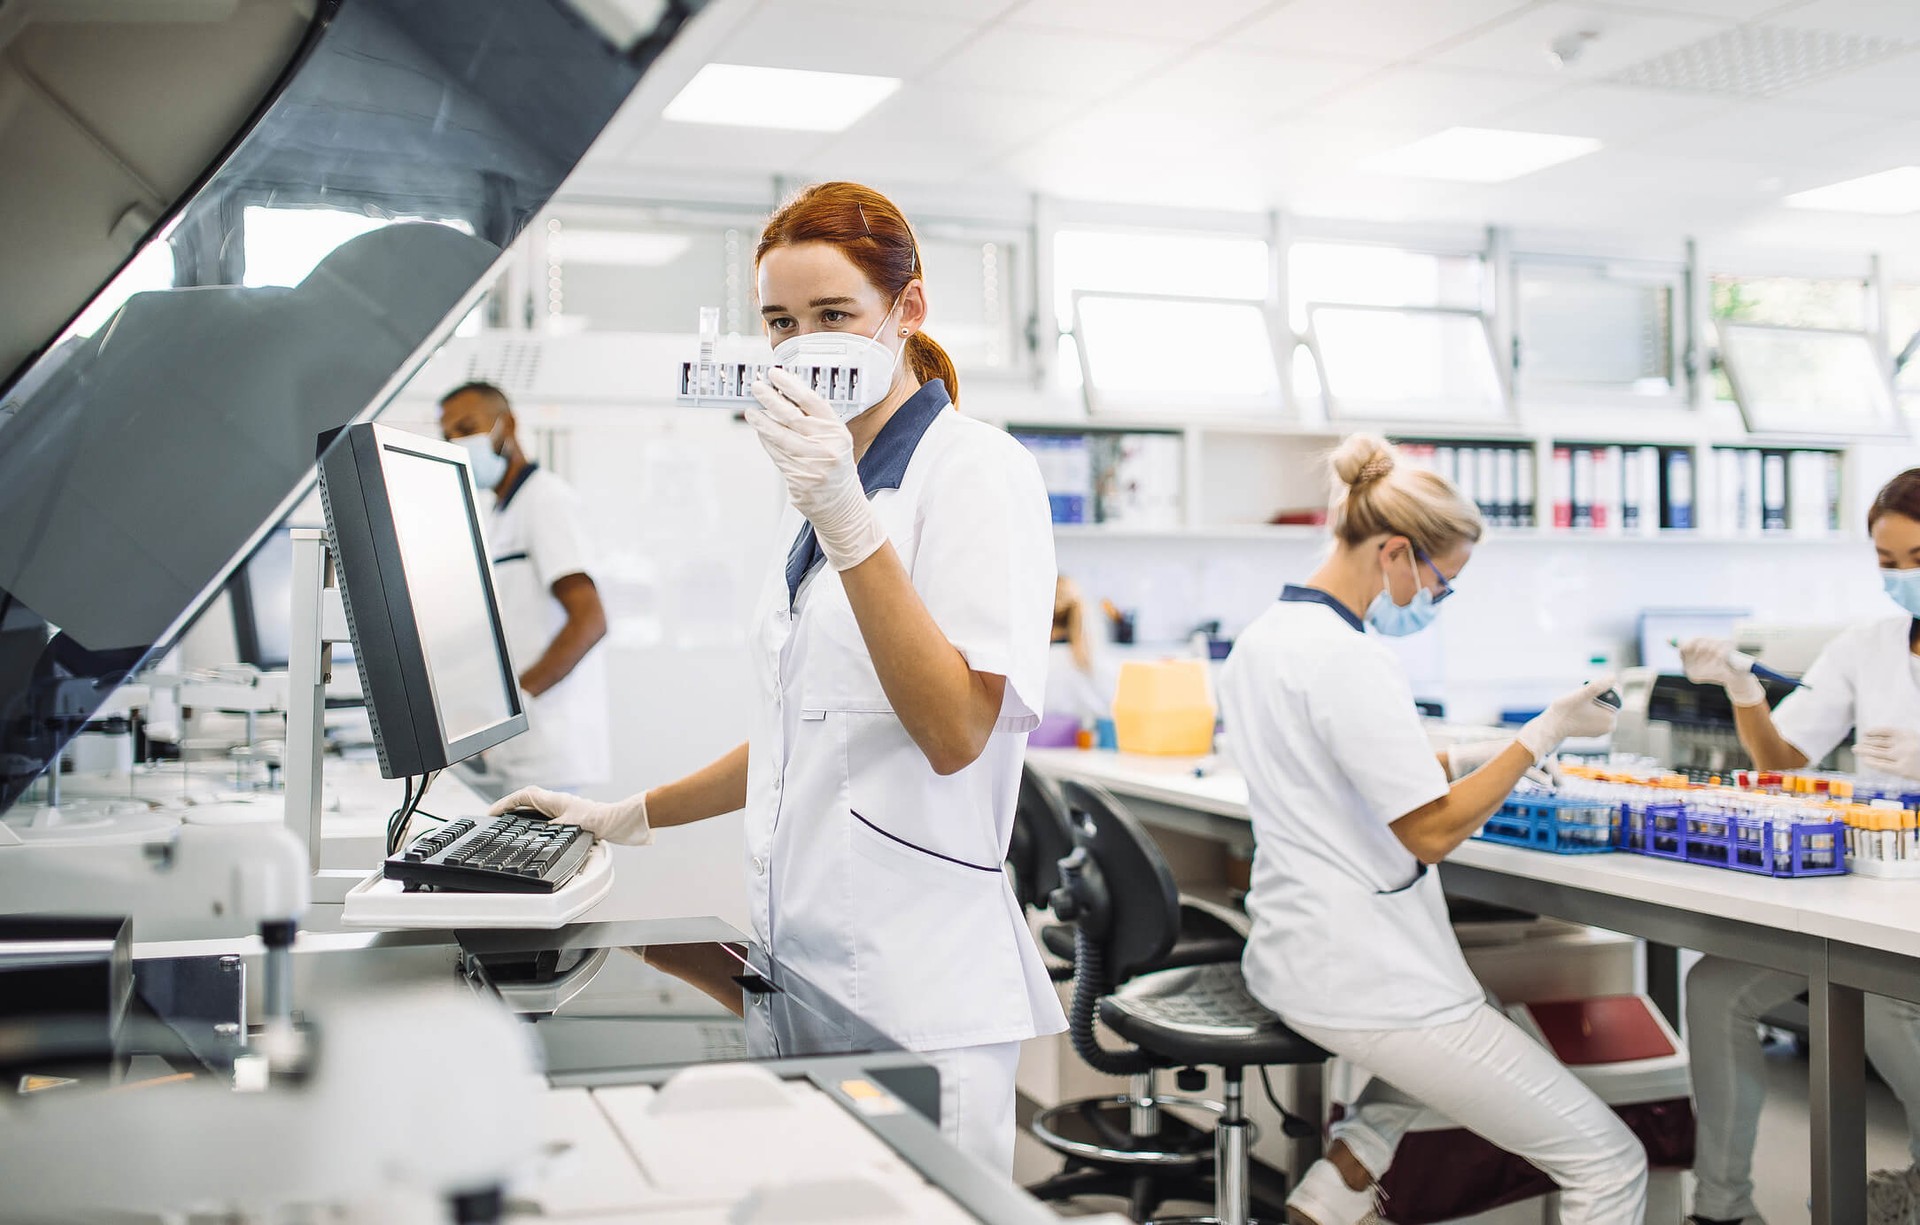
{"x":1888,"y":193}
{"x":785,"y":99}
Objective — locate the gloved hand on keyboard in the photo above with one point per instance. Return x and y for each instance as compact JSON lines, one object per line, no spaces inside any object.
{"x":624,"y":822}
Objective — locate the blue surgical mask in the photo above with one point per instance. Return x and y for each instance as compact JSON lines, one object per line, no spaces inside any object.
{"x":488,"y":466}
{"x":1399,"y":620}
{"x":1903,"y":587}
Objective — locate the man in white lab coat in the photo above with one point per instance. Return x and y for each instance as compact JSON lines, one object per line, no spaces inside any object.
{"x":552,"y":610}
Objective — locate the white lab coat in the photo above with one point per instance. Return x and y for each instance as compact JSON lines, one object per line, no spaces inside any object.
{"x":536,"y":538}
{"x":1349,"y":930}
{"x":868,"y":874}
{"x":1863,"y":679}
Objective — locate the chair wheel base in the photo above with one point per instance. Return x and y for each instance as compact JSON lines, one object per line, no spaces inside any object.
{"x":1096,"y":1129}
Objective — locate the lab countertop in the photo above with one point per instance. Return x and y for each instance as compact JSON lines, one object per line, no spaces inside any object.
{"x":1869,"y":911}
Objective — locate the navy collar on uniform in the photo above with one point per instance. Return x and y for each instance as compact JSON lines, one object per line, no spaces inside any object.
{"x":1313,"y":595}
{"x":518,"y":482}
{"x":884,"y":466}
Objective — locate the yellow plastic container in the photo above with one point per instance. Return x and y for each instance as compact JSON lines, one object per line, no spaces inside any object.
{"x":1165,"y":708}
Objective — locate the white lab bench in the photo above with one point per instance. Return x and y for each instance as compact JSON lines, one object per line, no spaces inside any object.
{"x":1846,"y":934}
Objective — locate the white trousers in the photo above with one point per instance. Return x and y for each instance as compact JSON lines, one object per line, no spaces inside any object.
{"x":1488,"y":1076}
{"x":976,"y":1100}
{"x":1725,"y":1001}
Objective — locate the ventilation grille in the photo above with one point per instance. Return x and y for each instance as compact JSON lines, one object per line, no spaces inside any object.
{"x":1759,"y":61}
{"x":511,"y":365}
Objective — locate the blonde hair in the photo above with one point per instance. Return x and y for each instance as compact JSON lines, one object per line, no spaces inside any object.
{"x":1374,"y":494}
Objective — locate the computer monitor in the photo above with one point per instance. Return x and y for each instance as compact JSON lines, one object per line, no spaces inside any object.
{"x":411,"y":554}
{"x":261,"y":596}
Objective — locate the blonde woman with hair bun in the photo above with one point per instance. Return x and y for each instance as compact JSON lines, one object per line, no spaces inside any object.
{"x":1350,"y":943}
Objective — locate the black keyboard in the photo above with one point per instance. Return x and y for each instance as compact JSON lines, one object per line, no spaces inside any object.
{"x":520,"y":852}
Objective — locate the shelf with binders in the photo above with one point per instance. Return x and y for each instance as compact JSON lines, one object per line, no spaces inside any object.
{"x":1638,"y":490}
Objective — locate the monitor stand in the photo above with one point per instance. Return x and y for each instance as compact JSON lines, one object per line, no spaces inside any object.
{"x":319,"y":620}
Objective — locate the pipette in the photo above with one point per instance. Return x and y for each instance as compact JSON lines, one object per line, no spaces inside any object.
{"x":1741,"y":658}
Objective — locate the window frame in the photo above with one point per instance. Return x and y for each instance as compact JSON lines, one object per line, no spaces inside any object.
{"x":1548,"y":393}
{"x":1503,"y":410}
{"x":1893,"y":424}
{"x":1143,"y":403}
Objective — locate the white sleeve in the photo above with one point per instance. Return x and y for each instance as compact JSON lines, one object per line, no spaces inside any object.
{"x":985,"y":568}
{"x":556,"y":544}
{"x":1817,"y":717}
{"x":1363,"y":708}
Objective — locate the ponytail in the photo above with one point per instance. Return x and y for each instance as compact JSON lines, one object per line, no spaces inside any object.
{"x":929,"y":361}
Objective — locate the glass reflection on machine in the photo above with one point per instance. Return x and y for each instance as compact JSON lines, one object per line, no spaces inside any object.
{"x":605,"y":1003}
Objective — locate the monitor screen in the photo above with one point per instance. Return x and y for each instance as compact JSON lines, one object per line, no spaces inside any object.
{"x":446,"y":566}
{"x":411,"y":552}
{"x":1660,"y":628}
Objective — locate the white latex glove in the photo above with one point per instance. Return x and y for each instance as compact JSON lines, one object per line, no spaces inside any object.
{"x":814,"y":452}
{"x":1713,"y":661}
{"x":625,"y":822}
{"x":1889,"y":750}
{"x":1576,"y":714}
{"x":1464,"y":759}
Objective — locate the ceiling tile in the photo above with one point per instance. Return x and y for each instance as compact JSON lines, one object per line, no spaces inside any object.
{"x":1891,"y":87}
{"x":1878,"y":18}
{"x":1732,"y":10}
{"x":1770,"y":133}
{"x":1378,"y":30}
{"x":706,"y":147}
{"x":882,"y":163}
{"x":1190,"y":21}
{"x":1082,"y":66}
{"x":1611,"y":114}
{"x":1521,"y":42}
{"x":988,"y":119}
{"x":1219,"y":87}
{"x":1430,"y":98}
{"x":832,"y":38}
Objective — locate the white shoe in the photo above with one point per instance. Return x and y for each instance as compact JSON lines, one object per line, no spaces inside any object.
{"x":1893,"y":1197}
{"x":1323,"y":1197}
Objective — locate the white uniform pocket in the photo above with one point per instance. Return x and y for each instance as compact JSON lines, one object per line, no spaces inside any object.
{"x":932,"y":942}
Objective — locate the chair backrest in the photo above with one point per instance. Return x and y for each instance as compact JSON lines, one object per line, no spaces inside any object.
{"x":1141,"y":919}
{"x":1042,"y":837}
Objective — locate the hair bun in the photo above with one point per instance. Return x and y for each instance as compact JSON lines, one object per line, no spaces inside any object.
{"x":1362,"y":459}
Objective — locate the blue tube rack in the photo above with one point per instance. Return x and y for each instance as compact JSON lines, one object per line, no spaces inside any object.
{"x":1761,"y":845}
{"x":1555,"y":824}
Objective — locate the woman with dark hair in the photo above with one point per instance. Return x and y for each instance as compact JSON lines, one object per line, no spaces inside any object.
{"x":1866,"y":681}
{"x":900,"y":649}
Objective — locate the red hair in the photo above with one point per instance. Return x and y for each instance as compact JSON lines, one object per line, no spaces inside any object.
{"x":868,"y":229}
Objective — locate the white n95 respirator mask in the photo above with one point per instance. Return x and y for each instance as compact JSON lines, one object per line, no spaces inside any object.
{"x":852,"y":372}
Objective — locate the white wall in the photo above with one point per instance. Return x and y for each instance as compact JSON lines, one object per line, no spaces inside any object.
{"x":1528,"y":614}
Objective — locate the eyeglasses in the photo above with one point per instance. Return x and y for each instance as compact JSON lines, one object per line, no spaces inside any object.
{"x":1446,"y":588}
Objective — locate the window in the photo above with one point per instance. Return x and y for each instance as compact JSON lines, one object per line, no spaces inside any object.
{"x":1139,"y":276}
{"x":1355,"y":274}
{"x":1142,"y":352}
{"x":976,"y":313}
{"x":1588,"y":327}
{"x":1405,"y":363}
{"x":1392,"y":334}
{"x":615,"y":271}
{"x":280,"y":246}
{"x":1806,"y":380}
{"x":1784,"y":301}
{"x":1903,"y":336}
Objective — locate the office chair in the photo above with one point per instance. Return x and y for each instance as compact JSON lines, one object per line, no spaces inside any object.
{"x":1118,"y":891}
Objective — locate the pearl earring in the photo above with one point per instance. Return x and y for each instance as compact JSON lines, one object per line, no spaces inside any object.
{"x":905,"y":332}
